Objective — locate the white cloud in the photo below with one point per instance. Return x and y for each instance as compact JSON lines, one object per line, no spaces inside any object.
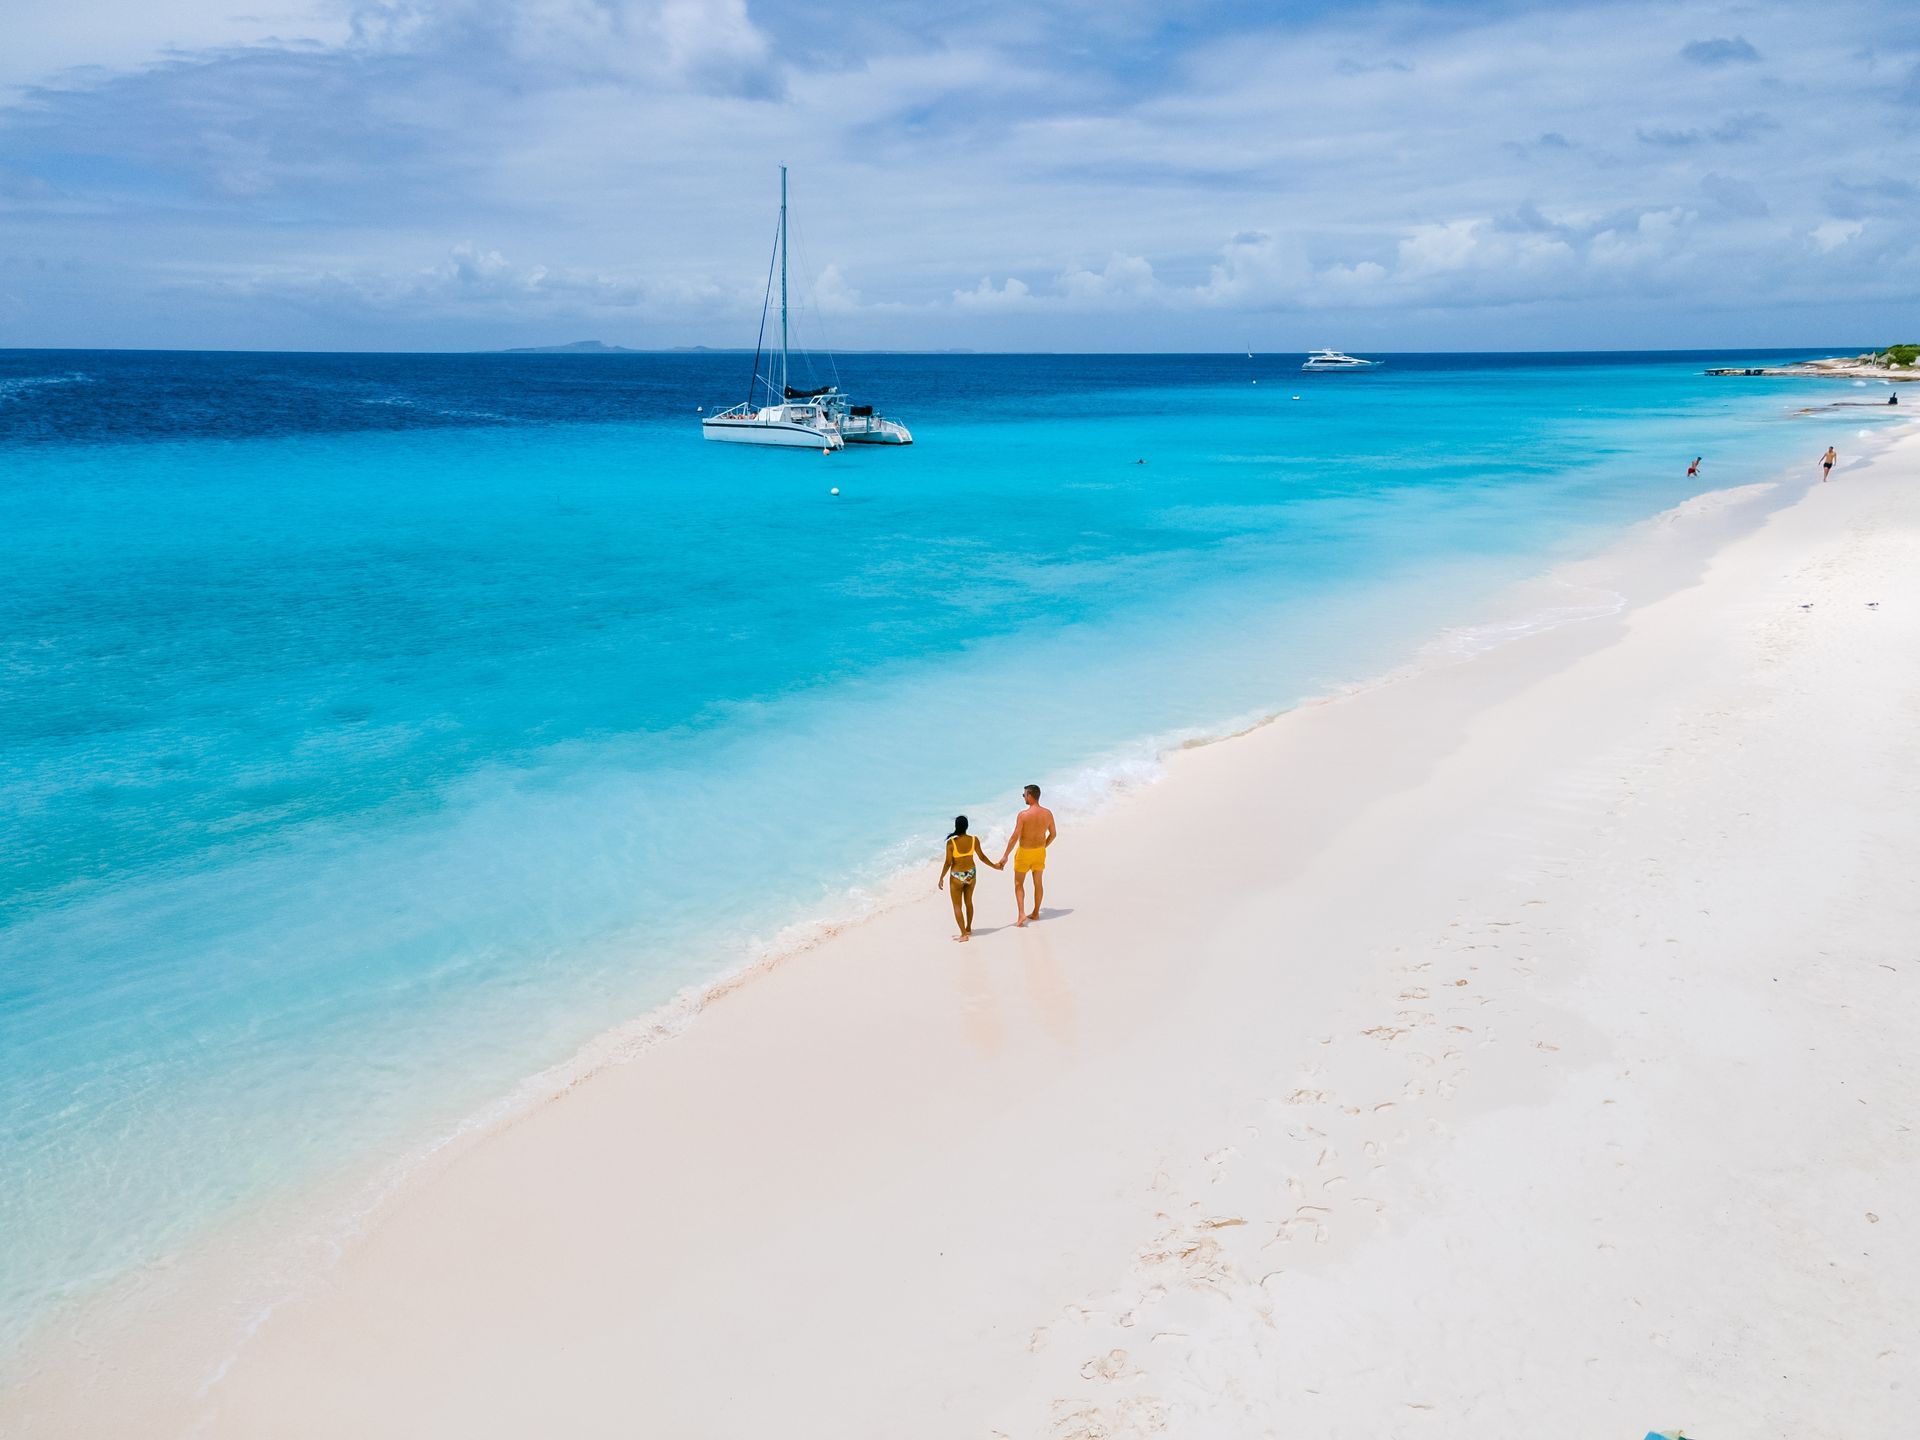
{"x":1010,"y":294}
{"x":1255,"y":268}
{"x":45,"y":38}
{"x":1372,"y":160}
{"x":1653,"y":235}
{"x":1832,"y":234}
{"x":710,"y":44}
{"x":1122,"y":280}
{"x":832,"y":295}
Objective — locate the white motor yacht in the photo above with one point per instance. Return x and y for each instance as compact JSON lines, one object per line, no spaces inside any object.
{"x":1334,"y":360}
{"x":819,"y":419}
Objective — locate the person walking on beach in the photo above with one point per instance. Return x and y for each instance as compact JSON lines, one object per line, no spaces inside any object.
{"x":1826,"y":464}
{"x":1033,"y":831}
{"x":1694,"y":469}
{"x":962,"y":851}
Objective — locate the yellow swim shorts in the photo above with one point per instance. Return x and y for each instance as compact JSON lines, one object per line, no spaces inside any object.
{"x":1029,"y":858}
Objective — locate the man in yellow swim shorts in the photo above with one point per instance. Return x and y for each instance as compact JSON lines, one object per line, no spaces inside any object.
{"x":1033,"y":831}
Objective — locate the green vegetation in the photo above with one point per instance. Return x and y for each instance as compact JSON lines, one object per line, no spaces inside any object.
{"x":1901,"y":354}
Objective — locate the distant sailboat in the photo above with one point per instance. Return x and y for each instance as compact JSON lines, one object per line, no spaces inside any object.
{"x":818,"y":419}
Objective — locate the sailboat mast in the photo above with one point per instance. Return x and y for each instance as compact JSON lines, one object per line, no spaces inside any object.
{"x":783,"y":284}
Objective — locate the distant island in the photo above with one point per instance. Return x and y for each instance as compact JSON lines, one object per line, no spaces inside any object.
{"x":578,"y":347}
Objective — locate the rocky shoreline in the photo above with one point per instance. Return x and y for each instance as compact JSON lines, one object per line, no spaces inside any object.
{"x":1858,"y":367}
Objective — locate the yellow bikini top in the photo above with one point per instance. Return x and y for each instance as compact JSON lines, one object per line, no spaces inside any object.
{"x":954,"y":850}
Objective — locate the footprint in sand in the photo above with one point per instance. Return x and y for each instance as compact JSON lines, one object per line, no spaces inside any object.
{"x":1140,"y":1415}
{"x":1307,"y":1220}
{"x":1114,"y":1365}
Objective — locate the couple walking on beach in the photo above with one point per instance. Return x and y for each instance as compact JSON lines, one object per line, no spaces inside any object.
{"x":1033,"y":831}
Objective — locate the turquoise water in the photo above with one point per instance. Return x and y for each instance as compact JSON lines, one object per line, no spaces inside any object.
{"x":375,"y":731}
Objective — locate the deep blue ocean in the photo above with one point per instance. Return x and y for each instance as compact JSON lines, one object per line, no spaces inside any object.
{"x":376,"y":731}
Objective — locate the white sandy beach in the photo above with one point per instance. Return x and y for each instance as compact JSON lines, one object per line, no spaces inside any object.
{"x":1524,"y":1044}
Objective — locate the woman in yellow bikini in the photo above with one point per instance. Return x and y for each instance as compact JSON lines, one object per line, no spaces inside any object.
{"x":963,"y":861}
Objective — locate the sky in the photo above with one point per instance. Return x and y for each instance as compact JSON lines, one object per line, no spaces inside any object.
{"x":978,"y":174}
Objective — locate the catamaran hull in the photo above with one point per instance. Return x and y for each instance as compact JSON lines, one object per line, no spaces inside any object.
{"x":760,"y":432}
{"x":887,"y":432}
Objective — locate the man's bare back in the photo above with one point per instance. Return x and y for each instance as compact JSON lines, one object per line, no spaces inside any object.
{"x":1033,"y":831}
{"x":1033,"y":827}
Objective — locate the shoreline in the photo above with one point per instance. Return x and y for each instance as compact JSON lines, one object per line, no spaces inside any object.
{"x":1837,"y":367}
{"x":298,"y":1241}
{"x":298,"y":1237}
{"x":1058,"y":1021}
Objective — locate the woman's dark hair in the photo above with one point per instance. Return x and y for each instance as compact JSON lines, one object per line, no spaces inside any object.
{"x":959,"y":826}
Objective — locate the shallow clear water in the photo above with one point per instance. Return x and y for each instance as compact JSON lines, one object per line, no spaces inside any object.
{"x":376,"y":730}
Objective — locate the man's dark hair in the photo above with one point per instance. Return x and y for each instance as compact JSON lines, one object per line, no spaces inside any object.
{"x":1033,"y":790}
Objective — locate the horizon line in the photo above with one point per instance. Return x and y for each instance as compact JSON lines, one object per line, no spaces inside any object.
{"x":562,"y":353}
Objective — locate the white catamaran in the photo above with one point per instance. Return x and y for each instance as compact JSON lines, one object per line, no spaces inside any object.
{"x":818,"y":419}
